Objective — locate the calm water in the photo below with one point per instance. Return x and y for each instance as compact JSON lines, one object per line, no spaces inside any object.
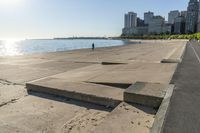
{"x":11,"y":47}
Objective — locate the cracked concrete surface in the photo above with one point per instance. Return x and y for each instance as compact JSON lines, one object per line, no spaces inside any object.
{"x":10,"y":92}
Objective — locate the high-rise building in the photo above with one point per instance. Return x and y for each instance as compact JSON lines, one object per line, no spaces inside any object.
{"x":172,"y":15}
{"x":140,"y":22}
{"x":167,"y":28}
{"x":126,"y":21}
{"x":184,"y":14}
{"x":130,"y":20}
{"x":130,"y":23}
{"x":179,"y":25}
{"x":198,"y":24}
{"x":156,"y":25}
{"x":192,"y":16}
{"x":148,"y":17}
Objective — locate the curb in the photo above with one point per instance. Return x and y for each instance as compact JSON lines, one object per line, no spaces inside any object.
{"x":162,"y":112}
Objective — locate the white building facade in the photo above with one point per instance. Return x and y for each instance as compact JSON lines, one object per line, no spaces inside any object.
{"x":130,"y":20}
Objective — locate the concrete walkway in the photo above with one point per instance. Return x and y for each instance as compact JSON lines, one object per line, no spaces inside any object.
{"x":184,"y":110}
{"x":104,"y":73}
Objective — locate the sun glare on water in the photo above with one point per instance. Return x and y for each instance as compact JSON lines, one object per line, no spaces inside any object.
{"x":10,"y":47}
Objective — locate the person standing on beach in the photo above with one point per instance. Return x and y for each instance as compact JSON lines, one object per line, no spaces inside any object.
{"x":93,"y":46}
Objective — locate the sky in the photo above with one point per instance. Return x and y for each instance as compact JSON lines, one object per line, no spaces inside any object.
{"x":26,"y":19}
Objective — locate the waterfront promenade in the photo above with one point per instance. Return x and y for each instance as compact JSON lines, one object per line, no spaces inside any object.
{"x":88,"y":91}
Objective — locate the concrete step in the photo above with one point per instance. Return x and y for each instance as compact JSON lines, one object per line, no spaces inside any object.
{"x":148,"y":94}
{"x":87,"y":92}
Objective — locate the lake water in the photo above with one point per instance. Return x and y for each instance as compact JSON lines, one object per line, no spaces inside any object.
{"x":13,"y":47}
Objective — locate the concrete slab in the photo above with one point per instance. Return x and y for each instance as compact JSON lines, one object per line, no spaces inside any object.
{"x":62,"y":66}
{"x":130,"y":77}
{"x":93,"y":93}
{"x":148,"y":94}
{"x":23,"y":61}
{"x":17,"y":74}
{"x":151,"y":66}
{"x":85,"y":73}
{"x":136,"y":71}
{"x":35,"y":114}
{"x":29,"y":72}
{"x":126,"y":118}
{"x":121,"y":74}
{"x":155,"y":53}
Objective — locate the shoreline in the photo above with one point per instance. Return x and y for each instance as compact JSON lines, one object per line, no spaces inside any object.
{"x":124,"y":42}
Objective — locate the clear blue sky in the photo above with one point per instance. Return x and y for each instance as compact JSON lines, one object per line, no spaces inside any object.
{"x":63,"y":18}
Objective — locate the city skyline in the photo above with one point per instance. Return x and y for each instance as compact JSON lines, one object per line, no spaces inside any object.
{"x":179,"y":22}
{"x":48,"y":18}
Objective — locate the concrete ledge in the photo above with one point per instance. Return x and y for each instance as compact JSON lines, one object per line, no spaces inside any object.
{"x":97,"y":94}
{"x":171,"y":61}
{"x":161,"y":114}
{"x":148,"y":94}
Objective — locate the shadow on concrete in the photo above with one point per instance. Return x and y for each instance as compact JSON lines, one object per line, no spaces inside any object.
{"x":146,"y":109}
{"x":70,"y":101}
{"x":113,"y":63}
{"x":117,"y":85}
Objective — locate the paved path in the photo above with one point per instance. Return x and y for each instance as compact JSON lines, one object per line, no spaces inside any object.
{"x":184,"y":110}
